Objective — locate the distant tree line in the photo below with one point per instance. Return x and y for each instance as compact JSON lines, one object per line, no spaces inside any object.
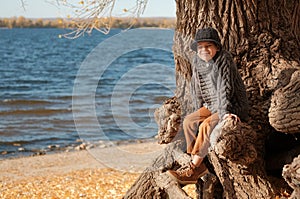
{"x":22,"y":22}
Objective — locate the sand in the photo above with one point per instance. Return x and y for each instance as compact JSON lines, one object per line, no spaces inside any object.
{"x":95,"y":173}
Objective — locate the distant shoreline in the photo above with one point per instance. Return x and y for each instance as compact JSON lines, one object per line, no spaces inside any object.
{"x":114,"y":22}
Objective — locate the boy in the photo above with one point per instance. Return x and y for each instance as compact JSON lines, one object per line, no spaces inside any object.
{"x":219,"y":93}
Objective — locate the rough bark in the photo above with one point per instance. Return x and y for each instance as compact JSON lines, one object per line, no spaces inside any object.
{"x":153,"y":183}
{"x":168,"y":118}
{"x":284,"y":111}
{"x":263,"y":37}
{"x":234,"y":158}
{"x":291,"y":174}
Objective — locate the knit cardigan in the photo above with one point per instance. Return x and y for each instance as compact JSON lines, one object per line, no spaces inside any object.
{"x":218,"y":86}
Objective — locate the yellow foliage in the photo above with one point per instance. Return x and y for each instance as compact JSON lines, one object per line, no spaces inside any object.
{"x":68,"y":22}
{"x":60,"y":21}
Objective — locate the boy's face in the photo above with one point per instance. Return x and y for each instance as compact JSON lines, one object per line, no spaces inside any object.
{"x":206,"y":50}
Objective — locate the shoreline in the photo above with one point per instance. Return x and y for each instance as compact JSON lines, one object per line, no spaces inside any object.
{"x":53,"y":149}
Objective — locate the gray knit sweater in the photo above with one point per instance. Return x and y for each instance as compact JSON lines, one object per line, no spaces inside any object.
{"x":218,"y":86}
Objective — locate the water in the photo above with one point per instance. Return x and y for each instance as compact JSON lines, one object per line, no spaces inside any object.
{"x":41,"y":80}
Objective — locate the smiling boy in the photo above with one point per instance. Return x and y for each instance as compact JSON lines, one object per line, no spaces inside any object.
{"x":218,"y":92}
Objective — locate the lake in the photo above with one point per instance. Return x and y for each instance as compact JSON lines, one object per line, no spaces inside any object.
{"x":57,"y":92}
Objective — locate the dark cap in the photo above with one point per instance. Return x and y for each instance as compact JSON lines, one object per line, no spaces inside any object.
{"x":206,"y":34}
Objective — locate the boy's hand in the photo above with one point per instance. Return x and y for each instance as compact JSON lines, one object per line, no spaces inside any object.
{"x":233,"y":116}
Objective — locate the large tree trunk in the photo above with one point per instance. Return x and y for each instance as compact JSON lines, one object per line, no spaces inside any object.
{"x":264,"y":38}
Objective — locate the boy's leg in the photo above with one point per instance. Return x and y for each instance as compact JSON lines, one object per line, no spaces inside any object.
{"x":195,"y":169}
{"x":191,"y":125}
{"x":202,"y":141}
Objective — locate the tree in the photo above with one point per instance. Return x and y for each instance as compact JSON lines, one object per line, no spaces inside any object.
{"x":39,"y":23}
{"x":21,"y":22}
{"x":263,"y":37}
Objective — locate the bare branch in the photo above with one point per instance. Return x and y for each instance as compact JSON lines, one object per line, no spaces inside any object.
{"x":23,"y":3}
{"x":97,"y":14}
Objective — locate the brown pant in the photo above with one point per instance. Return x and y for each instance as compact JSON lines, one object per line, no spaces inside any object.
{"x":197,"y":128}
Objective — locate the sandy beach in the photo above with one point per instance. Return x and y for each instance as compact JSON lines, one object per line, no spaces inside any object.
{"x":95,"y":173}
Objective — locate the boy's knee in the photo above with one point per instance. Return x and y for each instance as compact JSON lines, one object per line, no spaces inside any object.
{"x":187,"y":121}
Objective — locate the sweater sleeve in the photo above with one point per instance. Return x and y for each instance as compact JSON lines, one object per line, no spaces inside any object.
{"x":227,"y":71}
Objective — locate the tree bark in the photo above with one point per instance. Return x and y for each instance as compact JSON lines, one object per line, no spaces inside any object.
{"x":235,"y":161}
{"x":154,"y":183}
{"x":291,"y":174}
{"x":264,"y":37}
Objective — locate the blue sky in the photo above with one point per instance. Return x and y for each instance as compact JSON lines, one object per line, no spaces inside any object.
{"x":44,"y":9}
